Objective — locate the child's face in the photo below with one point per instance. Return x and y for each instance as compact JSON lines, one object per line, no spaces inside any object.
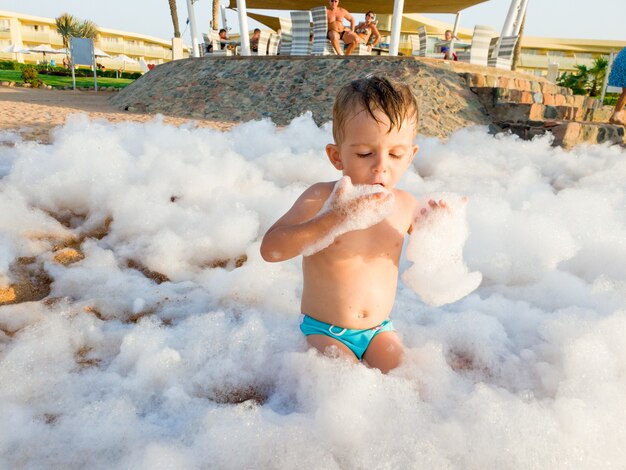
{"x":369,"y":153}
{"x":448,"y":35}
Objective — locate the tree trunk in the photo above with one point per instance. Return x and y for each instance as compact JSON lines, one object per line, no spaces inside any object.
{"x":216,"y":15}
{"x":518,"y":45}
{"x":174,"y":13}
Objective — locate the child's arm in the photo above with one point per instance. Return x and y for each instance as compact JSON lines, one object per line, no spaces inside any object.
{"x":319,"y":216}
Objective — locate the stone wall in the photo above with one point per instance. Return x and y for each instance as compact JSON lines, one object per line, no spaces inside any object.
{"x":451,"y":95}
{"x":281,"y":88}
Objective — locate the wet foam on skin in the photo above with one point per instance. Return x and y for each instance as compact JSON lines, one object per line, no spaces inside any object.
{"x":358,"y":215}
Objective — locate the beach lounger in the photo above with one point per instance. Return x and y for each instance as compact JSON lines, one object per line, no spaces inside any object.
{"x":285,"y":36}
{"x":321,"y":44}
{"x":300,"y":32}
{"x":213,"y":38}
{"x":423,"y":45}
{"x":415,"y":45}
{"x":479,"y":50}
{"x":272,"y":46}
{"x":263,"y":42}
{"x":504,"y":58}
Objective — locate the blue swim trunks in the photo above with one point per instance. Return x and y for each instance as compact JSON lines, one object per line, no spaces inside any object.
{"x":356,"y":340}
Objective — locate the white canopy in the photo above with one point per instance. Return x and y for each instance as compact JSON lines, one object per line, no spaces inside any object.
{"x":15,"y":49}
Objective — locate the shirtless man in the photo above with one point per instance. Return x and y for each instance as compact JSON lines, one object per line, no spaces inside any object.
{"x":336,"y":29}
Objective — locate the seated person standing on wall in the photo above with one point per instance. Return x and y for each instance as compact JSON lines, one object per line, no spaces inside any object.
{"x":364,"y":31}
{"x":254,"y":40}
{"x":336,"y":29}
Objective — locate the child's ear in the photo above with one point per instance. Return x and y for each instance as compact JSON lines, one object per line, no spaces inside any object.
{"x":333,"y":155}
{"x":414,"y":149}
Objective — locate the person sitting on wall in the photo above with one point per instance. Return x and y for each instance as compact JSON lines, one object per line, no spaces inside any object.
{"x":223,"y":38}
{"x":254,"y":40}
{"x":66,"y":62}
{"x":364,"y":32}
{"x":336,"y":29}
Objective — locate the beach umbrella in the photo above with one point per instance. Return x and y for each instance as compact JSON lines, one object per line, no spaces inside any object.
{"x":45,"y":49}
{"x":99,"y":52}
{"x":15,"y":49}
{"x":124,"y":58}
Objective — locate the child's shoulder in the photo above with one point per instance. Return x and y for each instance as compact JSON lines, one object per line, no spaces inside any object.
{"x":319,"y":190}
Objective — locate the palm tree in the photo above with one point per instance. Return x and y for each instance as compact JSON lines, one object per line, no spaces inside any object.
{"x":174,"y":13}
{"x":87,"y":29}
{"x":67,"y":26}
{"x":216,"y":14}
{"x":597,"y":72}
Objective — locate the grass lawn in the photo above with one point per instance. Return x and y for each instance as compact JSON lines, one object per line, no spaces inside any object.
{"x":56,"y":81}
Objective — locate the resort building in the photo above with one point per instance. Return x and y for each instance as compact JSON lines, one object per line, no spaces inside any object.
{"x":536,"y":53}
{"x":30,"y":31}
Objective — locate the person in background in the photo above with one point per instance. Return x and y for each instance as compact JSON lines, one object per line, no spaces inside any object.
{"x":53,"y":63}
{"x":448,"y":53}
{"x":364,"y":32}
{"x":336,"y":29}
{"x":66,"y":62}
{"x":223,"y":38}
{"x":617,"y":78}
{"x":254,"y":40}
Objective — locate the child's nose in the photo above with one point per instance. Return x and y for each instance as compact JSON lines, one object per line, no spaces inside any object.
{"x":379,"y":165}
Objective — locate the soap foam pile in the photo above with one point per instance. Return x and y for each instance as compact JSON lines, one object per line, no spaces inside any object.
{"x":438,"y":274}
{"x":172,"y":344}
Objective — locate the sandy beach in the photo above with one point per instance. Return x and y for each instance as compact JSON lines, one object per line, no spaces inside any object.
{"x":34,"y":113}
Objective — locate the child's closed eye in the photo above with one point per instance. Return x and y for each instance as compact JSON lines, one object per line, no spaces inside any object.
{"x":363,"y":155}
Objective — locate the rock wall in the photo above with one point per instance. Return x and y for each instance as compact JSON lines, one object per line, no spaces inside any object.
{"x":281,"y":88}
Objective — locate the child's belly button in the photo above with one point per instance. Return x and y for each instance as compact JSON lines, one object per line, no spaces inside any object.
{"x":362,"y":314}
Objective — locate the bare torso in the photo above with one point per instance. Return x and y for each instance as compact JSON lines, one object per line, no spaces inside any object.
{"x":335,"y":17}
{"x":355,"y":287}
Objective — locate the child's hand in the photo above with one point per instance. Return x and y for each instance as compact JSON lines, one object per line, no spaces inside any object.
{"x":432,"y":207}
{"x":354,"y":208}
{"x":348,"y":201}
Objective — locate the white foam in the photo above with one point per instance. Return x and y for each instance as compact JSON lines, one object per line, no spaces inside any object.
{"x":438,"y":274}
{"x":113,"y":370}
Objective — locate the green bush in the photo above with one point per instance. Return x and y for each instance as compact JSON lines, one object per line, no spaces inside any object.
{"x":30,"y":75}
{"x":7,"y":65}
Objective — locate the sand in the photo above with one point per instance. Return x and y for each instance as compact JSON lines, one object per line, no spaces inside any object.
{"x":33,"y":113}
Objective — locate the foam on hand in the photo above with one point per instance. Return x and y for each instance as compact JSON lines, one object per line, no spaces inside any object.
{"x":359,"y":212}
{"x":438,"y":274}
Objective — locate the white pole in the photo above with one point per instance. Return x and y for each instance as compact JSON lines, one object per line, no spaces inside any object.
{"x":396,"y":25}
{"x":520,"y":16}
{"x":195,"y":51}
{"x":507,"y":29}
{"x":457,"y":19}
{"x":243,"y":27}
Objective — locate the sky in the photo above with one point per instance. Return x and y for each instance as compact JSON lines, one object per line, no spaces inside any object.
{"x":603,"y":19}
{"x":209,"y":368}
